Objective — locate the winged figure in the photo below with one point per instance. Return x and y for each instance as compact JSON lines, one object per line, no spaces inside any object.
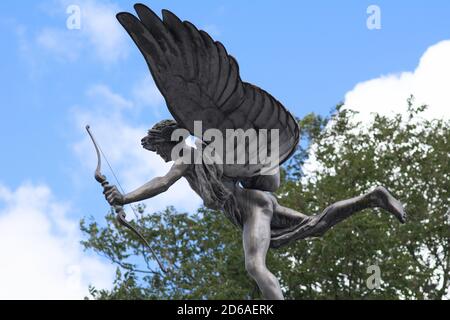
{"x":200,"y":82}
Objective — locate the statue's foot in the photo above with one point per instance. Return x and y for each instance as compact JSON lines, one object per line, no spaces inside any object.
{"x":389,"y":203}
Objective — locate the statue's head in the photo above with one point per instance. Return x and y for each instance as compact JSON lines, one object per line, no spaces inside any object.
{"x":159,"y":139}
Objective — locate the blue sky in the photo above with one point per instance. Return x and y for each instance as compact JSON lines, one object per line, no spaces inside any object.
{"x":308,"y":54}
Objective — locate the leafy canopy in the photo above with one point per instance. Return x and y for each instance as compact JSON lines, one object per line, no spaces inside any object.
{"x":406,"y":153}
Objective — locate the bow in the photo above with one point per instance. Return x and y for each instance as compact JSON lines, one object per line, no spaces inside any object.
{"x":120,"y":212}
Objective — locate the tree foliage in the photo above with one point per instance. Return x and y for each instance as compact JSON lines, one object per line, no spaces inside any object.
{"x":345,"y":158}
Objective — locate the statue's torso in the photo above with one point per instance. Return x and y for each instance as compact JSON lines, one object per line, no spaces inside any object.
{"x":245,"y":197}
{"x":194,"y":182}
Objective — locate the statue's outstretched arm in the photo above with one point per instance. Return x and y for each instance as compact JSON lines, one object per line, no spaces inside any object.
{"x":150,"y":189}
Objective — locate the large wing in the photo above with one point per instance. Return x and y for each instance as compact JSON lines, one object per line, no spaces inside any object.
{"x":201,"y":82}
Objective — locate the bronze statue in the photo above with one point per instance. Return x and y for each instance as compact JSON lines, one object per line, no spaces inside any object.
{"x":200,"y":82}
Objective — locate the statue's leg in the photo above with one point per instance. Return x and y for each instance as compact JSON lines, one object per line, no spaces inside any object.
{"x":339,"y":211}
{"x":256,"y":240}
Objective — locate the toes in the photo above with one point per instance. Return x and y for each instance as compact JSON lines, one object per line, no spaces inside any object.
{"x":403,"y":218}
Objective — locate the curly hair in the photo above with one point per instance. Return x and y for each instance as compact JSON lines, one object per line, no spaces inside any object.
{"x":159,"y":133}
{"x":164,"y":124}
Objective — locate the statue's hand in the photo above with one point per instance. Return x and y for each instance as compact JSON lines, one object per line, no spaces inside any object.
{"x":113,"y":196}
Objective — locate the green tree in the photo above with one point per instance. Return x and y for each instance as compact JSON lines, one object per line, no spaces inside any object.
{"x":407,"y":154}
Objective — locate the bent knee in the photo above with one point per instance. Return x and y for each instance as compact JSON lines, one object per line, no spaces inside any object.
{"x":255,"y":268}
{"x":257,"y":201}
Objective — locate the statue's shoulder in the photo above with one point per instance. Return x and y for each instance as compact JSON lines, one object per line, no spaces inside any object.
{"x":180,"y":167}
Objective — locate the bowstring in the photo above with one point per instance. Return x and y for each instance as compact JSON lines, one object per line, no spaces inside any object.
{"x":120,"y":186}
{"x":123,"y":192}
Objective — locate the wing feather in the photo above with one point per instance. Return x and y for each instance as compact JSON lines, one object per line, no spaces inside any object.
{"x":200,"y":81}
{"x":152,"y":22}
{"x":224,"y":73}
{"x":213,"y":62}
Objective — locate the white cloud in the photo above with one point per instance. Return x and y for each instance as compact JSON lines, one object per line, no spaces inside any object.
{"x":60,"y":42}
{"x":146,"y":94}
{"x":99,"y":33}
{"x":387,"y":95}
{"x":120,"y":140}
{"x":100,"y":26}
{"x":429,"y":83}
{"x":108,"y":97}
{"x":41,"y":255}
